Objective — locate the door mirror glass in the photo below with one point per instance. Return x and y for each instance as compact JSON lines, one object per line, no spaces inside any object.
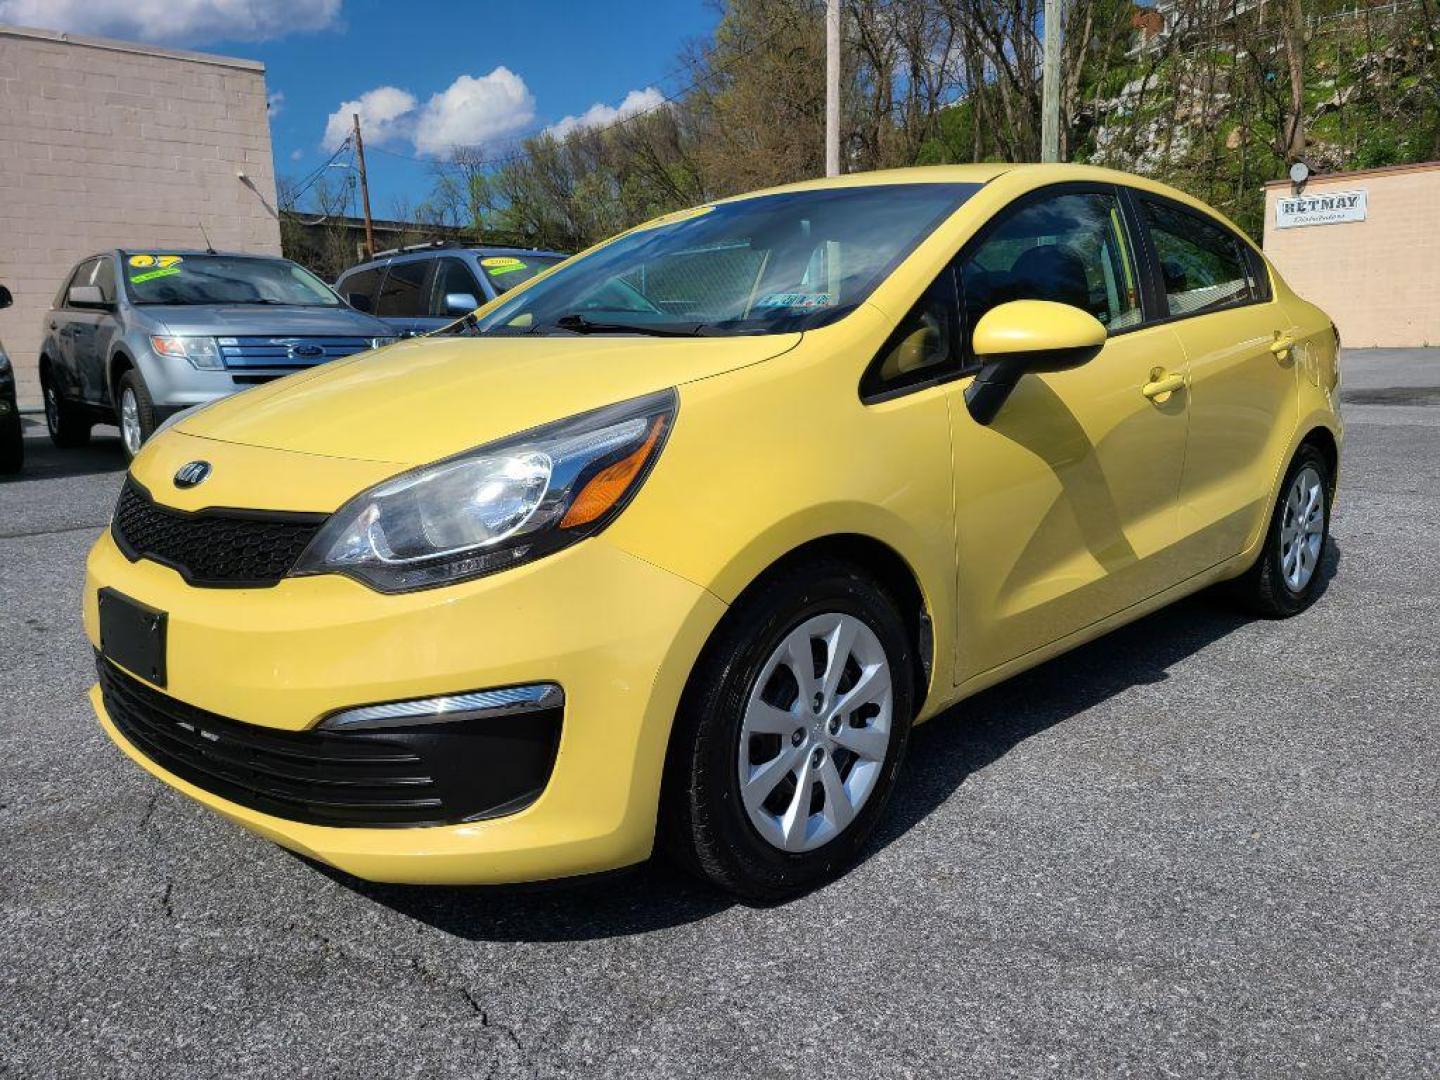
{"x":86,"y":296}
{"x":5,"y":298}
{"x":1027,"y":336}
{"x":459,"y":303}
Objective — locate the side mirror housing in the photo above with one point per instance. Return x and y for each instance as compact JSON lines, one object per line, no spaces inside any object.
{"x":86,"y":296}
{"x":5,"y":298}
{"x":1027,"y":336}
{"x":460,"y":303}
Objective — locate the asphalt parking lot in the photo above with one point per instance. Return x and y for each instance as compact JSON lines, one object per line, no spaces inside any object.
{"x":1203,"y":846}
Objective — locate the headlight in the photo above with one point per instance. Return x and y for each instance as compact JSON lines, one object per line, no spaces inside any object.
{"x":202,"y":352}
{"x":498,"y":505}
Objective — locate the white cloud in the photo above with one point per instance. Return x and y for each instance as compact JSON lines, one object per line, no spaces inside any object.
{"x":187,"y":21}
{"x":275,"y":103}
{"x":296,"y":155}
{"x":386,"y":114}
{"x":600,"y":114}
{"x":471,"y":111}
{"x":474,"y":112}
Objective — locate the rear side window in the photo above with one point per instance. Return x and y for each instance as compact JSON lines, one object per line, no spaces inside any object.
{"x":1203,"y":265}
{"x":1068,"y":248}
{"x":359,"y":289}
{"x":400,"y":296}
{"x":452,"y":278}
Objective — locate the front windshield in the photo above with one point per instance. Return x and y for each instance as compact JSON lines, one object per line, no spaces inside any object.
{"x":763,"y":265}
{"x":160,"y":278}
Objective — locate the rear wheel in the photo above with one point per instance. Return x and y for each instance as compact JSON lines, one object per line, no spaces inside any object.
{"x":790,"y":736}
{"x":1286,"y":577}
{"x":136,"y":412}
{"x":68,"y":423}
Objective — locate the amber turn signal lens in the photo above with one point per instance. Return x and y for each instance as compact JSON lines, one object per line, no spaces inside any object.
{"x":605,"y":488}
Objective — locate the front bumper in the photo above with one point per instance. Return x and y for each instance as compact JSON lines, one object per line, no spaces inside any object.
{"x":618,"y":634}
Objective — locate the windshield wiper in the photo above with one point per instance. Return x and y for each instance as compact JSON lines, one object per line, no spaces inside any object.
{"x":579,"y":324}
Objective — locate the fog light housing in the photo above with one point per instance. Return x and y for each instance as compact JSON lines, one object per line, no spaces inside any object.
{"x":473,"y":705}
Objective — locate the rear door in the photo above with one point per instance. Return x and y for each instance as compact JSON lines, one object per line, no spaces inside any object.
{"x":1243,"y":402}
{"x":80,"y":330}
{"x":1066,"y":503}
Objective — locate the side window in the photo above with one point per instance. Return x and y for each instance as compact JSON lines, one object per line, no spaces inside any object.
{"x":1069,"y":248}
{"x":105,"y":278}
{"x":1203,"y":265}
{"x":400,"y":296}
{"x":82,"y":275}
{"x":451,"y":277}
{"x":923,"y":346}
{"x":358,"y":289}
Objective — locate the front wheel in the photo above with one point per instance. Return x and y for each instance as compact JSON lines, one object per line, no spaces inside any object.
{"x":136,"y":412}
{"x":1286,"y":578}
{"x":790,"y":735}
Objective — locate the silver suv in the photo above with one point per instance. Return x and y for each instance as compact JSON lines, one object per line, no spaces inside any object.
{"x":422,"y":288}
{"x":136,"y":336}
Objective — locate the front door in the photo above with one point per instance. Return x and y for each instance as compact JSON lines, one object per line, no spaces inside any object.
{"x":1066,"y":503}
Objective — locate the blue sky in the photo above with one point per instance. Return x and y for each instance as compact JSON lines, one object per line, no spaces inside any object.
{"x":426,"y":74}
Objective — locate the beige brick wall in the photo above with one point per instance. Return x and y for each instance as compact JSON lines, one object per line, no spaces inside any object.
{"x":1379,"y":279}
{"x":109,"y":144}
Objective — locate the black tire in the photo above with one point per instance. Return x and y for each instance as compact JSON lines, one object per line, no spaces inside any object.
{"x":703,"y":823}
{"x":1263,"y":589}
{"x":131,"y":382}
{"x":12,"y":444}
{"x":69,"y":424}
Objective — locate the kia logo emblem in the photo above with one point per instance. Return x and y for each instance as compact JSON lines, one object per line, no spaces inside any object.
{"x":192,"y":473}
{"x":306,"y":352}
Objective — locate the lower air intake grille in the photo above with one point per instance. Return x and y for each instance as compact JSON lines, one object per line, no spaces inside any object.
{"x":216,"y":548}
{"x":432,"y":774}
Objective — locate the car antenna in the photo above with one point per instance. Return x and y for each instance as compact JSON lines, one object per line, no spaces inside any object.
{"x":209,"y":247}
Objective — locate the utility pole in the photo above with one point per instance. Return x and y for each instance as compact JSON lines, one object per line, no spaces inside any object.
{"x":1050,"y":85}
{"x":364,"y":189}
{"x":832,"y":87}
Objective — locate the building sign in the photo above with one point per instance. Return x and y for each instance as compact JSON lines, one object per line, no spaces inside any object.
{"x":1330,"y":208}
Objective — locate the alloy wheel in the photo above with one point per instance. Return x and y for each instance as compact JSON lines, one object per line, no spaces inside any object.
{"x":130,"y":421}
{"x":816,"y":732}
{"x":1302,"y":530}
{"x":52,"y":408}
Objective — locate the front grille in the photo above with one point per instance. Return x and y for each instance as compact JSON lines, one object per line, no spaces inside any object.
{"x":434,"y":774}
{"x":215,"y":548}
{"x":282,"y":354}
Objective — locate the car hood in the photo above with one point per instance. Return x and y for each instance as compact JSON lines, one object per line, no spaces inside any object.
{"x":421,"y":400}
{"x":233,"y":320}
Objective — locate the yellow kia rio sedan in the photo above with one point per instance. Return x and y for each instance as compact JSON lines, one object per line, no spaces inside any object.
{"x":686,"y":534}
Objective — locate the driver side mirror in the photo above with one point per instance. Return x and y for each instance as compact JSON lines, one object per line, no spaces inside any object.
{"x":5,"y":298}
{"x":460,"y":303}
{"x":86,"y":296}
{"x":1027,"y":336}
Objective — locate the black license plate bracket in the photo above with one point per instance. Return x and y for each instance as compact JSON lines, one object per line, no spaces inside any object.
{"x":132,"y":635}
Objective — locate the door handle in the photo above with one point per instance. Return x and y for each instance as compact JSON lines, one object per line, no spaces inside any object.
{"x":1162,"y":386}
{"x":1282,"y":345}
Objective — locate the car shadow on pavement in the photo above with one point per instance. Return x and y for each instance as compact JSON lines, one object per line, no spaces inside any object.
{"x":943,"y":753}
{"x":46,"y":461}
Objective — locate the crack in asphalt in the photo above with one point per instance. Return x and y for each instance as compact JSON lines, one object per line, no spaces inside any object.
{"x":26,"y":533}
